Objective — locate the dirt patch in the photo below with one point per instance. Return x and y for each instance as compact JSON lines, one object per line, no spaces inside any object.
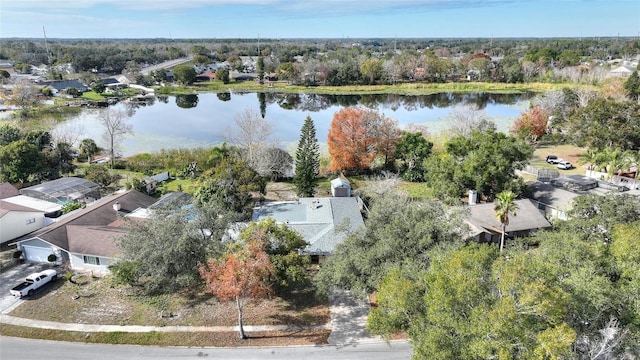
{"x":98,"y":303}
{"x":280,"y":191}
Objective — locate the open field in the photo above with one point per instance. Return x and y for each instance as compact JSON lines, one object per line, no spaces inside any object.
{"x":570,"y":153}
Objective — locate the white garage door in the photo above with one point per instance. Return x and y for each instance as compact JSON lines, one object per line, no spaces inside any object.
{"x":35,"y":253}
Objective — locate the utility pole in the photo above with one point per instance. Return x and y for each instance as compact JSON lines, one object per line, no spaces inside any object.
{"x":46,"y":46}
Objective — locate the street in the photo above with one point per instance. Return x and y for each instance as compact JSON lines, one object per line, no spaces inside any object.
{"x":23,"y":349}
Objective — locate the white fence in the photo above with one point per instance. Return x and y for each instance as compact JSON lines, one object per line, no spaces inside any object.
{"x":633,"y":184}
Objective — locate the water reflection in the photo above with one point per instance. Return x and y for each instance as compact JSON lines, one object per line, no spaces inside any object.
{"x":187,"y":101}
{"x":200,"y":120}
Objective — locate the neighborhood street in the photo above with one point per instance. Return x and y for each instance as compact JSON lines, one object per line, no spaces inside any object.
{"x":14,"y":348}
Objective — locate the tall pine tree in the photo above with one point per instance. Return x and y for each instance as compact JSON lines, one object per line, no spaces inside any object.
{"x":307,"y":160}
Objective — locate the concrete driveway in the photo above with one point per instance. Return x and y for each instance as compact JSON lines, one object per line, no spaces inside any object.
{"x":13,"y":277}
{"x":349,"y":319}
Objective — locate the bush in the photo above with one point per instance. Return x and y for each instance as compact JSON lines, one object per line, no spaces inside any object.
{"x":52,"y":258}
{"x":17,"y":254}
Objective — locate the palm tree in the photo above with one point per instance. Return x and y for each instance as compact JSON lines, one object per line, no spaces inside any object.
{"x":89,"y":148}
{"x":505,"y":205}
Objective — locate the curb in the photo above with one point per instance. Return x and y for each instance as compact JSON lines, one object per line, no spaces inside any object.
{"x":40,"y":324}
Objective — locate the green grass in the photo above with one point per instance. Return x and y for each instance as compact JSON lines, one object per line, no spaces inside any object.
{"x":195,"y":339}
{"x":418,"y":190}
{"x":404,"y":89}
{"x":184,"y":185}
{"x":93,"y":96}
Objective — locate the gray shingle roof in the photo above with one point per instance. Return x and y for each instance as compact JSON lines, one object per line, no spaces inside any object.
{"x":322,"y":222}
{"x":528,"y":217}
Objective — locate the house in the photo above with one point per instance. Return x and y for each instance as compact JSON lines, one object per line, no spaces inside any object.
{"x":486,"y":228}
{"x":85,"y":238}
{"x":8,"y":190}
{"x":21,"y":215}
{"x":64,"y":190}
{"x":322,"y":222}
{"x":623,"y":71}
{"x":64,"y":85}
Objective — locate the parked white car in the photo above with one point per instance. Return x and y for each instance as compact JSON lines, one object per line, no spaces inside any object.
{"x":564,"y":165}
{"x":33,"y":282}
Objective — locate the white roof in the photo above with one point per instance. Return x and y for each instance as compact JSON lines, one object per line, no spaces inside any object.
{"x":33,"y":203}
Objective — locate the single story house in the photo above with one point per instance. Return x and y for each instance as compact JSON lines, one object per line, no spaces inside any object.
{"x":486,"y":228}
{"x":322,"y":222}
{"x":623,"y":71}
{"x":63,"y":85}
{"x":85,"y":238}
{"x":21,"y":215}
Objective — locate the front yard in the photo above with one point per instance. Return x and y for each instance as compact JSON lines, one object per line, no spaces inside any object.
{"x":96,"y":302}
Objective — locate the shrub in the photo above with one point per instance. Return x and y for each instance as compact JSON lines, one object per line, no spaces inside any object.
{"x":52,"y":258}
{"x":17,"y":254}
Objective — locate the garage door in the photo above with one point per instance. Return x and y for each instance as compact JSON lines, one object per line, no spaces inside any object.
{"x":35,"y":253}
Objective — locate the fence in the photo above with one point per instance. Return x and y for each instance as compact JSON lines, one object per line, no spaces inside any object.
{"x":633,"y":184}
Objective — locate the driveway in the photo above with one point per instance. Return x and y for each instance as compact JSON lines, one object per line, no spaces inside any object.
{"x":349,"y":319}
{"x":13,"y":277}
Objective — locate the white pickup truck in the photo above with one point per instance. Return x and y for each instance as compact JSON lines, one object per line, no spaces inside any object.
{"x":33,"y":282}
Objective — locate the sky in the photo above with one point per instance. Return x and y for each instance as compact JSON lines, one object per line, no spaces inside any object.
{"x":275,"y":19}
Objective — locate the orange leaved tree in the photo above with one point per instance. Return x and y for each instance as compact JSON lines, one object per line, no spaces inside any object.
{"x":531,"y":124}
{"x":241,"y":274}
{"x":357,"y":135}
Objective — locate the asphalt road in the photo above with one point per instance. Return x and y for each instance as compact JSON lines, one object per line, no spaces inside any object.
{"x":23,"y":349}
{"x":165,"y":65}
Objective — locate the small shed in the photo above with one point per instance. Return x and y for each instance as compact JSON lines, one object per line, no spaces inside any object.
{"x":340,"y":187}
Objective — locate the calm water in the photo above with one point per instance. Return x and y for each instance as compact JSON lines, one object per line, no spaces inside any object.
{"x":190,"y":121}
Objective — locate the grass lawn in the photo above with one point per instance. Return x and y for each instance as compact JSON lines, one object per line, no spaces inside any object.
{"x":570,"y":153}
{"x":96,"y":302}
{"x":99,"y":303}
{"x":93,"y":96}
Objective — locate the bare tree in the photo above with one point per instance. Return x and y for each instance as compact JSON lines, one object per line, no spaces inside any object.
{"x":24,"y":95}
{"x":254,"y":135}
{"x":114,"y":122}
{"x":465,"y":118}
{"x":586,"y":95}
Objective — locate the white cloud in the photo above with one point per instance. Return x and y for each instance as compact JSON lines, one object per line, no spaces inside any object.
{"x":126,"y":4}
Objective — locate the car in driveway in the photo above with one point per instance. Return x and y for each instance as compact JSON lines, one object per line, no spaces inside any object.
{"x":553,"y":159}
{"x":564,"y":165}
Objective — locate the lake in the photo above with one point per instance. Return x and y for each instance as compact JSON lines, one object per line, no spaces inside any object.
{"x":189,"y":121}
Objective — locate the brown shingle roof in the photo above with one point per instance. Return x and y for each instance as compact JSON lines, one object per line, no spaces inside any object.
{"x":6,"y":207}
{"x":99,"y":213}
{"x":8,"y":190}
{"x":94,"y":240}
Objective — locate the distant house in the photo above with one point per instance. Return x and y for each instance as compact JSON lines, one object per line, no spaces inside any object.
{"x":322,"y":222}
{"x":206,"y":76}
{"x":486,"y":228}
{"x":85,"y":238}
{"x":238,"y":76}
{"x":623,"y":71}
{"x":63,"y":85}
